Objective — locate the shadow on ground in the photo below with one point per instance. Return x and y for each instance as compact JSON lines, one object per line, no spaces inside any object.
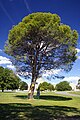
{"x":55,"y":98}
{"x":47,"y":97}
{"x":18,"y":111}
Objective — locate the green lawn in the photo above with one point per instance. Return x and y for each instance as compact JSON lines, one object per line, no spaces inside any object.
{"x":50,"y":106}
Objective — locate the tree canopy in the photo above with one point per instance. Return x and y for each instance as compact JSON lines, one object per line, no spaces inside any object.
{"x":23,"y":85}
{"x":41,"y":42}
{"x":8,"y":80}
{"x":46,"y":86}
{"x":63,"y":86}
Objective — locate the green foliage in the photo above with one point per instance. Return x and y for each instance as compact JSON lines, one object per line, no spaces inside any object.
{"x":42,"y":35}
{"x":46,"y":86}
{"x":23,"y":85}
{"x":41,"y":41}
{"x":50,"y":87}
{"x":8,"y":80}
{"x":63,"y":86}
{"x":4,"y":77}
{"x":13,"y":81}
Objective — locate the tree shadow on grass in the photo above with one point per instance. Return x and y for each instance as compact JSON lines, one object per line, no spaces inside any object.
{"x":19,"y":111}
{"x":55,"y":98}
{"x":47,"y":97}
{"x":22,"y":96}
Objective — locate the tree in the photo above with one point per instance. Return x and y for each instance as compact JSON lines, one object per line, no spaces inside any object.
{"x":4,"y":76}
{"x":46,"y":86}
{"x":43,"y":86}
{"x":41,"y":42}
{"x":13,"y":81}
{"x":8,"y":80}
{"x":2,"y":83}
{"x":50,"y":87}
{"x":23,"y":85}
{"x":63,"y":86}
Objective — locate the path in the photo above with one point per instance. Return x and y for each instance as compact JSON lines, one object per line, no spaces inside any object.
{"x":66,"y":93}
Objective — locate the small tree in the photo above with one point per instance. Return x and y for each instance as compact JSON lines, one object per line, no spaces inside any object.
{"x":13,"y":81}
{"x":63,"y":86}
{"x":23,"y":85}
{"x":43,"y":86}
{"x":39,"y":43}
{"x":46,"y":86}
{"x":8,"y":80}
{"x":50,"y":87}
{"x":2,"y":81}
{"x":4,"y":77}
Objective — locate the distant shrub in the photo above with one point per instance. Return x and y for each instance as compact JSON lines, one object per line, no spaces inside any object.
{"x":63,"y":86}
{"x":23,"y":85}
{"x":46,"y":86}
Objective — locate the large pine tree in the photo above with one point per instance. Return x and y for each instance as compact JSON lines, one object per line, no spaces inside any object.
{"x":41,"y":42}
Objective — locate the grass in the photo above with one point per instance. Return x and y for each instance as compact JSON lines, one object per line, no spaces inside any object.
{"x":76,"y":92}
{"x":50,"y":106}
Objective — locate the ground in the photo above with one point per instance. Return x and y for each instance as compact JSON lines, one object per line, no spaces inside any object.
{"x":50,"y":106}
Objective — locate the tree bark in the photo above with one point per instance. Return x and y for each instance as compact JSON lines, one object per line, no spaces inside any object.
{"x":31,"y":91}
{"x":2,"y":90}
{"x":32,"y":86}
{"x":34,"y":76}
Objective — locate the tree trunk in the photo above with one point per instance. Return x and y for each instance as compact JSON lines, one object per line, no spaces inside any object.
{"x":2,"y":90}
{"x":31,"y":91}
{"x":34,"y":76}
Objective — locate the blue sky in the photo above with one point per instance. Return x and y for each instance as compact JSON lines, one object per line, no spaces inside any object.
{"x":12,"y":12}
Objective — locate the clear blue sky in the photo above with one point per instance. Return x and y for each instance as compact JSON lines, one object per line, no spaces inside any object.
{"x":12,"y":12}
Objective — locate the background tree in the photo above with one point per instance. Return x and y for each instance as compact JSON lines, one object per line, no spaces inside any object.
{"x":23,"y":85}
{"x":4,"y":77}
{"x":43,"y":86}
{"x":13,"y":81}
{"x":2,"y":81}
{"x":8,"y":80}
{"x":63,"y":86}
{"x":50,"y":87}
{"x":46,"y":86}
{"x":39,"y":43}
